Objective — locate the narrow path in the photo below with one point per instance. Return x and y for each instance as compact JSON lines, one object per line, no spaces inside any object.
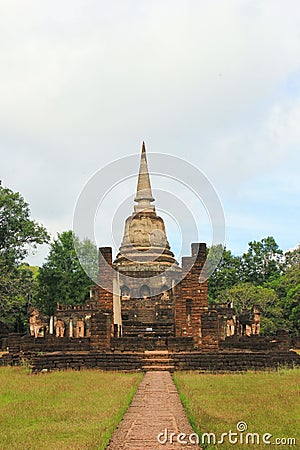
{"x":156,"y":407}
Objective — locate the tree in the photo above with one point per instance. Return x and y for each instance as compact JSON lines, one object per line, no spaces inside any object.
{"x":262,"y":262}
{"x":245,"y":295}
{"x":292,"y":258}
{"x":226,"y":274}
{"x":287,"y":287}
{"x":263,"y":276}
{"x":13,"y":310}
{"x":18,"y":235}
{"x":62,"y":279}
{"x":288,"y":291}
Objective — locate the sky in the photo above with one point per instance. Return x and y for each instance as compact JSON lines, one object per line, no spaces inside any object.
{"x":216,"y":83}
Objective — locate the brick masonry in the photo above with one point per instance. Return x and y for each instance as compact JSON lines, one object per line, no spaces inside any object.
{"x":192,"y":295}
{"x":130,"y":361}
{"x":103,"y":292}
{"x":150,"y":310}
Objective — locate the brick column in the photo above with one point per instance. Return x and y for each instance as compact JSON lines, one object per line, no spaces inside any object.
{"x":100,"y":330}
{"x":191,"y":296}
{"x":210,"y":330}
{"x":104,"y":294}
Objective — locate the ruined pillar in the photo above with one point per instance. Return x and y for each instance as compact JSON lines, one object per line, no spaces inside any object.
{"x":210,"y":330}
{"x":71,"y":327}
{"x":191,"y":295}
{"x":51,"y":325}
{"x":100,"y":327}
{"x":105,"y":280}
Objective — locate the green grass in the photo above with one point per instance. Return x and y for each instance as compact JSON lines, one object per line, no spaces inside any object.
{"x":267,"y":401}
{"x":62,"y":410}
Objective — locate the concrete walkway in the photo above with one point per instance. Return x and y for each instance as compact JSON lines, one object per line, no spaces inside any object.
{"x":156,"y":407}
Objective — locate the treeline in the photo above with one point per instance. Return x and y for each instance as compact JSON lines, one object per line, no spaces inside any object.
{"x":263,"y":275}
{"x":61,"y":279}
{"x":18,"y":235}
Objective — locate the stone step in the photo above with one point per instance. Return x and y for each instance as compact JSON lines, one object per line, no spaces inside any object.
{"x":156,"y":360}
{"x":169,"y":368}
{"x":156,"y":352}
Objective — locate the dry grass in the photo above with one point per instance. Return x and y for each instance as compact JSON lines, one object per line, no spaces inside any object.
{"x":267,"y":401}
{"x":62,"y":410}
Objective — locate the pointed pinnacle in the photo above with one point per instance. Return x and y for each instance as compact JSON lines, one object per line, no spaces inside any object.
{"x":144,"y":194}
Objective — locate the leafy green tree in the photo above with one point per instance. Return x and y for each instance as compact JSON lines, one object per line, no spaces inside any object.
{"x":292,"y":258}
{"x":244,"y":296}
{"x":226,"y":274}
{"x":19,"y":234}
{"x":263,"y":276}
{"x":288,"y":290}
{"x":62,"y":279}
{"x":13,"y":311}
{"x":287,"y":287}
{"x":262,"y":262}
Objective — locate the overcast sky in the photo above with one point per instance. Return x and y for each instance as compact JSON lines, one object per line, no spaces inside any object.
{"x":217,"y":83}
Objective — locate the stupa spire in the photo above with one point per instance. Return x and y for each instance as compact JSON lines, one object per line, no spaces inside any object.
{"x":144,"y":195}
{"x":144,"y":246}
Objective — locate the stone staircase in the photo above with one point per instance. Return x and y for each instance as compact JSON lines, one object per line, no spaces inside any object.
{"x":154,"y":330}
{"x":157,"y":360}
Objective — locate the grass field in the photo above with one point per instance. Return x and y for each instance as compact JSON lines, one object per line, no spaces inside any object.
{"x":80,"y":410}
{"x":267,"y":401}
{"x":62,"y":410}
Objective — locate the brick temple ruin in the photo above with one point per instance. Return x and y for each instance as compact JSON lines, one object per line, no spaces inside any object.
{"x":147,"y":312}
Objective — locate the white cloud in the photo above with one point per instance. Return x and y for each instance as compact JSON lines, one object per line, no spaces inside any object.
{"x":83,"y":82}
{"x":284,"y":126}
